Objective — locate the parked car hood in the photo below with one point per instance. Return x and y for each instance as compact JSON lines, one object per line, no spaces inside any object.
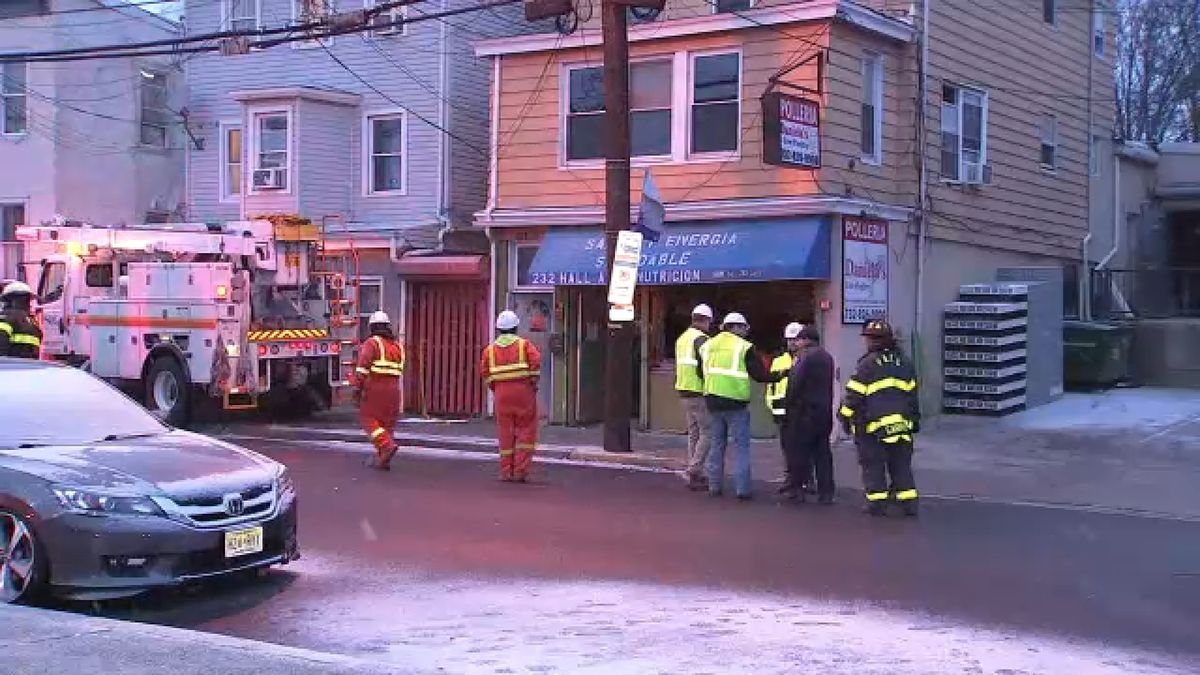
{"x":177,"y":463}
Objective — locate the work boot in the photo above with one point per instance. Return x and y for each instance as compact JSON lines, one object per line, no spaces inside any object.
{"x":379,"y":465}
{"x":910,"y":508}
{"x":697,"y":483}
{"x":825,"y":500}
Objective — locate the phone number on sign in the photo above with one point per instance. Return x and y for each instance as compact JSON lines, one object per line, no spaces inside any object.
{"x":862,"y":314}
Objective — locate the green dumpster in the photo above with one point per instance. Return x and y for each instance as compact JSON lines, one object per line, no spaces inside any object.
{"x":1096,"y":354}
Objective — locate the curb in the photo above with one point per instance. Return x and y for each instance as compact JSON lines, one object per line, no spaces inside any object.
{"x":591,"y":454}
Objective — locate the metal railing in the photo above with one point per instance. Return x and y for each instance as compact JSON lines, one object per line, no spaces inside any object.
{"x":1146,"y":293}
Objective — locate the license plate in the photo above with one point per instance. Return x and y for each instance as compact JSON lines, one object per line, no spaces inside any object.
{"x":243,"y":542}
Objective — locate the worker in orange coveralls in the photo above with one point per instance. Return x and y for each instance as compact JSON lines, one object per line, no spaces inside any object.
{"x":511,"y":367}
{"x":376,"y":382}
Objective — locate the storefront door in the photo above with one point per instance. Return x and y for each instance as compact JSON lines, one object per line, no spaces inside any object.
{"x":537,"y":324}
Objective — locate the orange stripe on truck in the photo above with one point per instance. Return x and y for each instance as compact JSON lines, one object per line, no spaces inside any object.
{"x":145,"y":322}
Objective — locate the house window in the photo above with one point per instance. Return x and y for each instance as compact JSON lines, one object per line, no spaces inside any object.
{"x":1098,"y":33}
{"x":241,"y":14}
{"x":385,"y":154}
{"x":649,"y":116}
{"x":872,"y":109}
{"x":1049,"y":11}
{"x":155,"y":115}
{"x":231,"y":161}
{"x":370,"y":300}
{"x":1094,"y":156}
{"x":12,"y":216}
{"x":310,"y":11}
{"x":724,"y":6}
{"x":271,"y":146}
{"x":13,"y":98}
{"x":384,"y":23}
{"x":964,"y":134}
{"x":716,"y":89}
{"x":1048,"y":136}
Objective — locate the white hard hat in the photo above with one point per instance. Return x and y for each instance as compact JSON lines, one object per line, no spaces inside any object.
{"x":702,"y":310}
{"x":792,"y":331}
{"x":507,"y":320}
{"x":379,"y":317}
{"x":733,"y":318}
{"x":16,"y":288}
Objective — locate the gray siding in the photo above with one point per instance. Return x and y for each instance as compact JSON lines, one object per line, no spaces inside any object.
{"x":324,"y":159}
{"x":405,"y":71}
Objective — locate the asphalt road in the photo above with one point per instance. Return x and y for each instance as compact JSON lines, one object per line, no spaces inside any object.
{"x":438,"y":564}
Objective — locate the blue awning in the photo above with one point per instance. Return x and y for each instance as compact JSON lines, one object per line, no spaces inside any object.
{"x":693,"y":253}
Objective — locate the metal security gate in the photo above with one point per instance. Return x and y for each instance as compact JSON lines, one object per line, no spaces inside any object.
{"x":446,"y":333}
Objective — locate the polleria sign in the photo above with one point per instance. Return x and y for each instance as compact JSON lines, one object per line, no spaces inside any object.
{"x":791,"y":131}
{"x":864,"y":269}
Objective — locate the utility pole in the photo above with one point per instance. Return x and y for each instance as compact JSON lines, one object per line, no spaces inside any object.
{"x":618,"y":353}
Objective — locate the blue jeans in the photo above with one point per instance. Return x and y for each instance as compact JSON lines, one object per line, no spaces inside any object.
{"x":734,"y":423}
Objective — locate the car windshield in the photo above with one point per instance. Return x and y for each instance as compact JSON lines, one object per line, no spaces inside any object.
{"x":64,"y":406}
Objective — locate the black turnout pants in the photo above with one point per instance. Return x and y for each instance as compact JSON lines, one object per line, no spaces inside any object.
{"x":886,"y":467}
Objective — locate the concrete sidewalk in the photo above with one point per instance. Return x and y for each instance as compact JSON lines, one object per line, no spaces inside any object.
{"x":1126,"y":450}
{"x":37,"y":641}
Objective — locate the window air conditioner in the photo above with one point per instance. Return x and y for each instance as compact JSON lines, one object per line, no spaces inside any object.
{"x":270,"y":179}
{"x":972,"y":174}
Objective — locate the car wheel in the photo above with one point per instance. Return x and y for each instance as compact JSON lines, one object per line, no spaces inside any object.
{"x":22,"y":564}
{"x":168,"y":395}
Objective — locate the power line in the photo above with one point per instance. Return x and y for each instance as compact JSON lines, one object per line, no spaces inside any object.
{"x":367,"y":14}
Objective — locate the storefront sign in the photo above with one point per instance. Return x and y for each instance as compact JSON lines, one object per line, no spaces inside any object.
{"x":864,"y":269}
{"x":687,"y":253}
{"x":791,"y":131}
{"x":625,"y":267}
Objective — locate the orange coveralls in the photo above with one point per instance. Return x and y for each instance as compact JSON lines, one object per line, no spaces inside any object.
{"x":511,"y":367}
{"x":377,"y":375}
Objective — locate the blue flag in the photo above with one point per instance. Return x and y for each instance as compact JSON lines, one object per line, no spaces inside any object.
{"x":651,"y":212}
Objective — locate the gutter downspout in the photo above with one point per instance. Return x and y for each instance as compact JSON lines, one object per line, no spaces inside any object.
{"x":494,"y":145}
{"x":443,"y":189}
{"x":923,"y":188}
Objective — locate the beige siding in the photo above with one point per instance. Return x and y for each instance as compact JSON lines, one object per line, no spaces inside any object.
{"x":530,"y":129}
{"x":1029,"y":69}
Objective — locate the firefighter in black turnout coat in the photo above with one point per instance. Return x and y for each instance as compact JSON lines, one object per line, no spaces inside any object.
{"x":881,"y":410}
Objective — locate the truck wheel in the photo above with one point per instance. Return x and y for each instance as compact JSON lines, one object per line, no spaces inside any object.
{"x":168,"y":395}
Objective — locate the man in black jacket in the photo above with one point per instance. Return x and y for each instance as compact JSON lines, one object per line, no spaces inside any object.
{"x":882,"y":410}
{"x":809,"y":421}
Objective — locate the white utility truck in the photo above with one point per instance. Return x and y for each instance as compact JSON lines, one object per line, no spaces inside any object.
{"x":239,"y":314}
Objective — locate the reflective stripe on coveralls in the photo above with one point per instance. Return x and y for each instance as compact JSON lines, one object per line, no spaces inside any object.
{"x":687,"y":368}
{"x":725,"y":373}
{"x":19,"y":338}
{"x":383,"y":366}
{"x":512,"y":371}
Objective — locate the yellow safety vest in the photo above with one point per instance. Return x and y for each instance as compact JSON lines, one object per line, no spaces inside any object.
{"x":687,"y":368}
{"x":777,"y":390}
{"x":725,"y":374}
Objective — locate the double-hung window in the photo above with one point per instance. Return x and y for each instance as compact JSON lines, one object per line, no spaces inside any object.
{"x":649,"y":110}
{"x":1050,"y":11}
{"x":716,"y":103}
{"x":241,"y":14}
{"x":964,"y":134}
{"x":270,"y":150}
{"x":155,"y":116}
{"x":1048,"y":137}
{"x":231,"y":161}
{"x":682,"y":105}
{"x":872,"y":110}
{"x":370,"y":300}
{"x":310,"y":11}
{"x":385,"y":23}
{"x":1099,"y":33}
{"x":13,"y":98}
{"x":384,"y":141}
